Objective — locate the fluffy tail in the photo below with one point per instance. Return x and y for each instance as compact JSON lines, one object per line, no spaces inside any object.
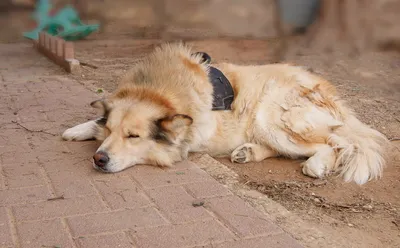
{"x":361,"y":151}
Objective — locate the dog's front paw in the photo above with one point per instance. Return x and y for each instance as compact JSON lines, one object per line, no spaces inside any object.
{"x":242,"y":154}
{"x":84,"y":131}
{"x":70,"y":134}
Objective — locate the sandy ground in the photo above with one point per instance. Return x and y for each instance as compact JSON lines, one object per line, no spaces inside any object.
{"x":371,"y":85}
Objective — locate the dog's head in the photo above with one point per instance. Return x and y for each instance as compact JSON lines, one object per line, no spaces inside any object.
{"x":139,"y":132}
{"x":146,"y":120}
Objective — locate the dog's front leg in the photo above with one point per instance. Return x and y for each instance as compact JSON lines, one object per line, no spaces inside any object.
{"x":252,"y":153}
{"x":85,"y":131}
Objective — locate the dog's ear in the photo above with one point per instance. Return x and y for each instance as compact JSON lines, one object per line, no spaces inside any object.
{"x":102,"y":104}
{"x":205,"y":58}
{"x":176,"y":124}
{"x":172,"y":128}
{"x":99,"y":104}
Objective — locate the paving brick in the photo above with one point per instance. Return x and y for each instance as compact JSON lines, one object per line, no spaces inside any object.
{"x":152,"y":177}
{"x":28,"y":102}
{"x":2,"y":180}
{"x":4,"y":139}
{"x":85,"y":149}
{"x":242,"y":217}
{"x":175,"y":236}
{"x":59,"y":208}
{"x":114,"y":221}
{"x":71,"y":183}
{"x":47,"y":233}
{"x":176,"y":204}
{"x":207,"y":189}
{"x":51,"y":103}
{"x":276,"y":241}
{"x":23,"y":175}
{"x":20,"y":155}
{"x":42,"y":144}
{"x":63,"y":116}
{"x":121,"y":192}
{"x":37,"y":126}
{"x":70,"y":156}
{"x":23,"y":195}
{"x":7,"y":117}
{"x":117,"y":240}
{"x":184,"y":165}
{"x":12,"y":144}
{"x":32,"y":114}
{"x":66,"y":161}
{"x":70,"y":163}
{"x":5,"y":234}
{"x":80,"y":100}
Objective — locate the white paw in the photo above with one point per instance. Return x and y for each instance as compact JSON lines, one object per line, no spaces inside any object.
{"x":242,"y":154}
{"x":84,"y":131}
{"x":313,"y":169}
{"x":317,"y":167}
{"x":321,"y":164}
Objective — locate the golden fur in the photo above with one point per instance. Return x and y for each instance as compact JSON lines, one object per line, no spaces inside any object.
{"x":162,"y":110}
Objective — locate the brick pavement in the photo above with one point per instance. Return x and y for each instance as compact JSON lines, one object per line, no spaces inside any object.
{"x":50,"y":196}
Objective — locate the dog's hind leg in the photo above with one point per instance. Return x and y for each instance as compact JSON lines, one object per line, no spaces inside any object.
{"x":84,"y":131}
{"x":251,"y":153}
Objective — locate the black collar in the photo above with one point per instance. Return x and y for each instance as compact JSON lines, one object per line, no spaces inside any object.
{"x":223,"y":94}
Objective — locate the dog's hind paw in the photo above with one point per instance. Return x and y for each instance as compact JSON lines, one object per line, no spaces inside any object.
{"x":320,"y":164}
{"x":242,"y":154}
{"x":250,"y":152}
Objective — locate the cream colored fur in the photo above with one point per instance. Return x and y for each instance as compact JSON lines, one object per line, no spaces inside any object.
{"x":278,"y":109}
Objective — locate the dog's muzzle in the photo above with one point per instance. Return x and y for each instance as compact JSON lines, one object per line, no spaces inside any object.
{"x":101,"y":160}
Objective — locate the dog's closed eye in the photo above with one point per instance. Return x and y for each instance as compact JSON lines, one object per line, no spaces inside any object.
{"x":133,"y":136}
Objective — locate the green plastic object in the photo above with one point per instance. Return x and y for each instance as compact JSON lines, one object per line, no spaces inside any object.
{"x":65,"y":24}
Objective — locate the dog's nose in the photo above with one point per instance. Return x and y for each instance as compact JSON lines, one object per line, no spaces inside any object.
{"x":101,"y":159}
